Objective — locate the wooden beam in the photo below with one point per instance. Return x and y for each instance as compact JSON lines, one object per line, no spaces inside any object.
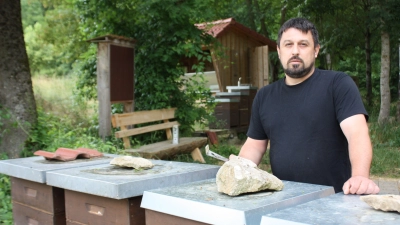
{"x":168,"y":131}
{"x":103,"y":89}
{"x":165,"y":149}
{"x":265,"y":53}
{"x":141,"y":130}
{"x":197,"y":156}
{"x":143,"y":117}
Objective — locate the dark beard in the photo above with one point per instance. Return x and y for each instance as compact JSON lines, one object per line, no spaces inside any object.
{"x":299,"y":71}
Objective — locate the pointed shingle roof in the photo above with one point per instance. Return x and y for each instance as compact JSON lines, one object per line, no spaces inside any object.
{"x":220,"y":27}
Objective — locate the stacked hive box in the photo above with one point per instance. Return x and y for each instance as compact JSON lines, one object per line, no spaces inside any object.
{"x":35,"y":202}
{"x":104,"y":194}
{"x":233,"y":109}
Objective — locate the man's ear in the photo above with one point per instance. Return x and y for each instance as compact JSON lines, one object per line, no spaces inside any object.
{"x":316,"y":50}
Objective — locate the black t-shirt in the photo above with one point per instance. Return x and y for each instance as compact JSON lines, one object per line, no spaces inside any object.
{"x":302,"y":123}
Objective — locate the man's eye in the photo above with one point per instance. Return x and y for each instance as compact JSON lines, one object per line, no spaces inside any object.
{"x":288,"y":44}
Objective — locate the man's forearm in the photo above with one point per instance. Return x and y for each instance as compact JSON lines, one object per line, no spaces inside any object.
{"x":360,"y":152}
{"x":253,"y":150}
{"x":355,"y":129}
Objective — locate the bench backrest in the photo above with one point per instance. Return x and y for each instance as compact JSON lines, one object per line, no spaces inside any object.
{"x":126,"y":120}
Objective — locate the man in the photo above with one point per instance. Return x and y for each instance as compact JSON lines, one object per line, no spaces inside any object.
{"x":314,"y":119}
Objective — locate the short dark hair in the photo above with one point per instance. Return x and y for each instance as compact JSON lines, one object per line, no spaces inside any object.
{"x":301,"y":24}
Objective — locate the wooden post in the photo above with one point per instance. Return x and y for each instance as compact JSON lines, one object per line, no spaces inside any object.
{"x":128,"y":107}
{"x":197,"y":156}
{"x":103,"y":89}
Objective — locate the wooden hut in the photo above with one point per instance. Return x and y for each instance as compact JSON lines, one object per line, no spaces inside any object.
{"x":243,"y":54}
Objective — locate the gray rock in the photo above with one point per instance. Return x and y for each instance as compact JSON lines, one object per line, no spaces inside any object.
{"x":240,"y":175}
{"x":383,"y":202}
{"x":134,"y":162}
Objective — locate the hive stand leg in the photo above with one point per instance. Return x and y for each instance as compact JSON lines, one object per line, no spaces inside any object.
{"x":197,"y":156}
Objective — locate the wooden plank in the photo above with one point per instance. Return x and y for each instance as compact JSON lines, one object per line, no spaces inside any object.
{"x":165,"y":149}
{"x":128,"y":106}
{"x":265,"y":65}
{"x":168,"y":131}
{"x":197,"y":156}
{"x":251,"y":66}
{"x":103,"y":89}
{"x":114,"y":121}
{"x":127,"y":142}
{"x":254,"y":59}
{"x":260,"y":75}
{"x":140,"y":117}
{"x":141,"y":130}
{"x":216,"y":63}
{"x":230,"y":71}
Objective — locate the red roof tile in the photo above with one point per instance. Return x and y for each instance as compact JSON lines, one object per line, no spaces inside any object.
{"x":66,"y":154}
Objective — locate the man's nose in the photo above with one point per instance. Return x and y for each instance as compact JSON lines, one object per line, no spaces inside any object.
{"x":295,"y":50}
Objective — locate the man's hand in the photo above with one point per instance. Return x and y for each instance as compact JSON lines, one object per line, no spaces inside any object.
{"x":360,"y":185}
{"x":232,"y":156}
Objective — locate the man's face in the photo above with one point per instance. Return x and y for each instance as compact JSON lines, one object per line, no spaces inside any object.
{"x":297,"y":52}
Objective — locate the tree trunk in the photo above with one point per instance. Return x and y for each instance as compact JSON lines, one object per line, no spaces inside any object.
{"x":384,"y":112}
{"x":283,"y":13}
{"x":275,"y":62}
{"x":368,"y":81}
{"x":263,"y":24}
{"x":250,"y":14}
{"x":17,"y":103}
{"x":398,"y":90}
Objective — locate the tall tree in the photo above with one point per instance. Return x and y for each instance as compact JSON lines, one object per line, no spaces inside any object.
{"x":384,"y":112}
{"x":388,"y":13}
{"x":17,"y":103}
{"x":398,"y":90}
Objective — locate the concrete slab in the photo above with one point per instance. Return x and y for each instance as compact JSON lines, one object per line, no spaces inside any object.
{"x":119,"y":183}
{"x":332,"y":210}
{"x":200,"y":201}
{"x":35,"y":168}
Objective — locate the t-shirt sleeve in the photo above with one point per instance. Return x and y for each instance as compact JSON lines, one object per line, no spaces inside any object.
{"x":348,"y":101}
{"x":256,"y":130}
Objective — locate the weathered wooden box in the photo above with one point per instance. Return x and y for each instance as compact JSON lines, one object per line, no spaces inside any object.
{"x":83,"y":208}
{"x":106,"y":194}
{"x":36,"y":203}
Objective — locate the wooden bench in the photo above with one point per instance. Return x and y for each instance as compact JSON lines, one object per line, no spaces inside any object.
{"x":159,"y":150}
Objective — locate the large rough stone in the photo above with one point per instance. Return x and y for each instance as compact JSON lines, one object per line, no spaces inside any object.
{"x":129,"y":161}
{"x":383,"y":202}
{"x":240,"y":175}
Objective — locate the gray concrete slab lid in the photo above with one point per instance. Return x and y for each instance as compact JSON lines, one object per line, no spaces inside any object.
{"x":226,"y":100}
{"x":241,"y":87}
{"x":230,"y":94}
{"x":119,"y":183}
{"x":332,"y":210}
{"x":200,"y":201}
{"x":35,"y":168}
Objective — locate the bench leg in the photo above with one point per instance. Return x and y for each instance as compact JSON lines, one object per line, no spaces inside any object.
{"x":197,"y":156}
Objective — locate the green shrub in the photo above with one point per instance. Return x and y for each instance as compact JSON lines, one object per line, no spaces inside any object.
{"x":6,"y":216}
